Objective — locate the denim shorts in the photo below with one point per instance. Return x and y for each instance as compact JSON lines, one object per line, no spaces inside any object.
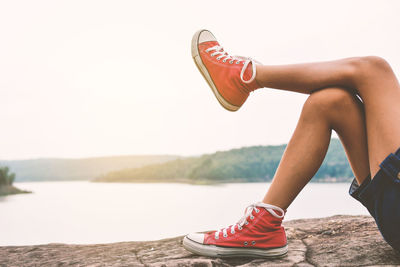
{"x":381,"y":196}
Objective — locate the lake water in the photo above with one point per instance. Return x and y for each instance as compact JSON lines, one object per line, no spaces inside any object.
{"x":84,"y":212}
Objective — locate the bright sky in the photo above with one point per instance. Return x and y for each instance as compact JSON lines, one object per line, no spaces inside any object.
{"x":93,"y":78}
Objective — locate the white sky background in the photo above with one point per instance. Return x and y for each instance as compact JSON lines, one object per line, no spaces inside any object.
{"x":93,"y":78}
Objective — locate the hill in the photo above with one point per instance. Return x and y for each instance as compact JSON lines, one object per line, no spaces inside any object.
{"x":248,"y":164}
{"x":77,"y":169}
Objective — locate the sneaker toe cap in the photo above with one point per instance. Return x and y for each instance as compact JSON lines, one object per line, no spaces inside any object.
{"x":206,"y":36}
{"x":196,"y":237}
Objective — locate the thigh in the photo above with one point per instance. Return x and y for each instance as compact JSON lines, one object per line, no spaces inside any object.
{"x":383,"y":129}
{"x":380,"y":92}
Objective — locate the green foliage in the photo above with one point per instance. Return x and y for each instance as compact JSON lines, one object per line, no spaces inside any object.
{"x":6,"y":178}
{"x":248,"y":164}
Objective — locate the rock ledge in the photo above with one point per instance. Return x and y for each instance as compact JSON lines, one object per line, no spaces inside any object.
{"x":332,"y":241}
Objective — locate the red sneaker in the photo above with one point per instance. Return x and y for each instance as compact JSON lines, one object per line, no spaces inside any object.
{"x":258,"y":233}
{"x":230,"y":78}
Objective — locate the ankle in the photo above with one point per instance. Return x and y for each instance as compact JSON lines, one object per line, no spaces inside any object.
{"x":257,"y":77}
{"x":279,"y":204}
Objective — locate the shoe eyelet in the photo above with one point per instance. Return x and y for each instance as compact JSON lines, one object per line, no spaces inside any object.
{"x":245,"y":243}
{"x":257,"y":210}
{"x":232,"y":232}
{"x":246,"y":223}
{"x":216,"y":237}
{"x":251,"y":217}
{"x":253,"y":242}
{"x":231,"y":62}
{"x":240,"y":227}
{"x":237,"y":62}
{"x":225,"y":235}
{"x":224,"y":60}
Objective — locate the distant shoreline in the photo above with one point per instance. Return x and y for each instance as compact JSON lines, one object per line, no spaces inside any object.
{"x":179,"y":181}
{"x":11,"y":190}
{"x":216,"y":182}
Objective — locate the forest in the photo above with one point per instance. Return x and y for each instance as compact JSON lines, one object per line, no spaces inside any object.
{"x":248,"y":164}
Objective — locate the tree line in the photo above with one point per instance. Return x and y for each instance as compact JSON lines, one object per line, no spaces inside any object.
{"x":6,"y":177}
{"x":248,"y":164}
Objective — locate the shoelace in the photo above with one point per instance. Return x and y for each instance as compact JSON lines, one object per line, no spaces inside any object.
{"x":219,"y":50}
{"x":249,"y":212}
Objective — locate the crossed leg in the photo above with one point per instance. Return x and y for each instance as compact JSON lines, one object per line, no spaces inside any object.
{"x":373,"y":131}
{"x":369,"y":131}
{"x":324,"y":111}
{"x":370,"y":77}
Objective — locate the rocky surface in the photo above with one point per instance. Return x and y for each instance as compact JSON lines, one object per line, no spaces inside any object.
{"x":333,"y":241}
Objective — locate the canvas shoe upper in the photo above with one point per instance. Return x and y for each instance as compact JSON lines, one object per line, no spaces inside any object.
{"x":258,"y":233}
{"x":231,"y":78}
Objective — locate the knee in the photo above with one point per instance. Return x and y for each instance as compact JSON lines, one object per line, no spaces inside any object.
{"x":330,"y":101}
{"x":362,"y":67}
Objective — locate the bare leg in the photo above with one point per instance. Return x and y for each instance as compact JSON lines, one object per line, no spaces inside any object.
{"x":371,"y":77}
{"x":332,"y":108}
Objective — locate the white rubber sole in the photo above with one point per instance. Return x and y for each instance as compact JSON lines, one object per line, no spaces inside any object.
{"x":221,"y":252}
{"x":203,"y":70}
